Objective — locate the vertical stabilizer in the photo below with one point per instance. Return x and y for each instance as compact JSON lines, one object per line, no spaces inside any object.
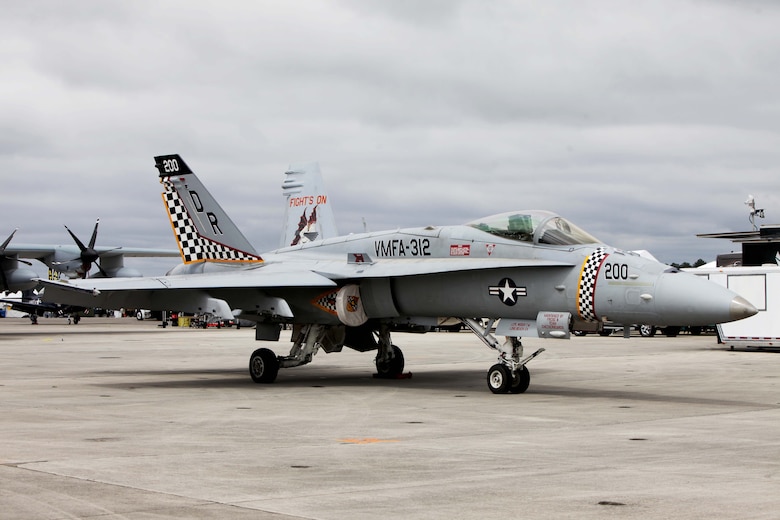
{"x":308,"y":212}
{"x":202,"y":229}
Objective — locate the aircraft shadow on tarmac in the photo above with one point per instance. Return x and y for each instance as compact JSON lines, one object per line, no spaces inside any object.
{"x":457,"y":381}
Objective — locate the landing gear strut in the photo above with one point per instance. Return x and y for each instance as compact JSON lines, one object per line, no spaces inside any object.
{"x":389,"y":358}
{"x":264,"y":365}
{"x":509,"y":375}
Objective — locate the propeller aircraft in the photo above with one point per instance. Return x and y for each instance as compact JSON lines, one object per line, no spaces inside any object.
{"x":67,"y":260}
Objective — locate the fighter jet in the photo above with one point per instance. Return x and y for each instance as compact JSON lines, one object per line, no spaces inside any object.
{"x":527,"y":273}
{"x":71,"y":261}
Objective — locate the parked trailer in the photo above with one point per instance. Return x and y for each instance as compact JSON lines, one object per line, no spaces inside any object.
{"x":760,"y":285}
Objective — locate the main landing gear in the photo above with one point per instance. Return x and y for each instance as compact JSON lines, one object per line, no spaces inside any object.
{"x":264,"y":365}
{"x":389,"y":358}
{"x":509,"y":375}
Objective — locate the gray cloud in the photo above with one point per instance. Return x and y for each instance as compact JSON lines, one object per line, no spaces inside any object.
{"x":645,"y":123}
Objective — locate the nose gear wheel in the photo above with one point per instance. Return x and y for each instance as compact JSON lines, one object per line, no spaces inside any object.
{"x":499,"y":379}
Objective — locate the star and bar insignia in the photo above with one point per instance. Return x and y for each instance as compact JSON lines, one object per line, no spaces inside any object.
{"x":508,"y":291}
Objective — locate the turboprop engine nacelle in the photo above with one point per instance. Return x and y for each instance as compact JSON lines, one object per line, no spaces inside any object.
{"x":20,"y":279}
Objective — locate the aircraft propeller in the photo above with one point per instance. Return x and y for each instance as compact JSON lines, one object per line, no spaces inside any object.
{"x":3,"y":256}
{"x":88,"y":254}
{"x":7,"y":241}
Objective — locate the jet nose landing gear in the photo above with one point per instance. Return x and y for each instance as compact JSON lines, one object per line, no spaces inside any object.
{"x":509,"y":375}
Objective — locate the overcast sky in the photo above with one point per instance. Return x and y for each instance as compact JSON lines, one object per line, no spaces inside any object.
{"x":643,"y":122}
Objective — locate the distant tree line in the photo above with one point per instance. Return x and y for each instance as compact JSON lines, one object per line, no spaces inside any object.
{"x":684,"y":265}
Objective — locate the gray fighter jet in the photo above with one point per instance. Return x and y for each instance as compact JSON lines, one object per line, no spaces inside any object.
{"x":526,"y":273}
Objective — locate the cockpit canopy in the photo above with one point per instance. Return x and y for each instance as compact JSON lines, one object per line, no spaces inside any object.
{"x":540,"y":227}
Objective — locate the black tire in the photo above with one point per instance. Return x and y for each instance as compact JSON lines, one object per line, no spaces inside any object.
{"x":392,"y":367}
{"x":263,"y":366}
{"x":696,"y":331}
{"x":605,"y":332}
{"x":646,"y":331}
{"x":499,"y":379}
{"x":520,"y":381}
{"x":580,"y":333}
{"x":139,"y":316}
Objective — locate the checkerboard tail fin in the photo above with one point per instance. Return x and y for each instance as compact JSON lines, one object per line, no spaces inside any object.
{"x":308,"y":211}
{"x":204,"y":232}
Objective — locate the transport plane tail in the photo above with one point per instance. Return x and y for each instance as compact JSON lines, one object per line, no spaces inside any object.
{"x":203,"y":230}
{"x":308,"y":214}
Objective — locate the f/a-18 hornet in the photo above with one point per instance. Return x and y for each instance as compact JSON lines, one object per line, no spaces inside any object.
{"x":526,"y":273}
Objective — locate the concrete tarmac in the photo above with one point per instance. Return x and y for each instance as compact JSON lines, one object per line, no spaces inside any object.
{"x":115,"y":418}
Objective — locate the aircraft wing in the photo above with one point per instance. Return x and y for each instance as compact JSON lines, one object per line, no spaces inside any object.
{"x":43,"y":250}
{"x":22,"y":306}
{"x":208,"y":292}
{"x":30,"y":250}
{"x":244,"y":279}
{"x":136,"y":251}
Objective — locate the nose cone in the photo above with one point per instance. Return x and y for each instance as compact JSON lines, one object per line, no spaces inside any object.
{"x":686,"y":299}
{"x":741,"y":308}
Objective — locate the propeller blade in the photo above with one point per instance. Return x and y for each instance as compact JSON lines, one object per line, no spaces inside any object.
{"x":94,"y":235}
{"x":8,"y":240}
{"x":3,"y":278}
{"x":100,"y":268}
{"x":2,"y":250}
{"x":82,"y":247}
